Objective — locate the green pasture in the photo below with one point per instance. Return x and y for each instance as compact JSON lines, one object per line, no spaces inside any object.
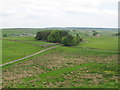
{"x":13,"y":50}
{"x":103,"y":42}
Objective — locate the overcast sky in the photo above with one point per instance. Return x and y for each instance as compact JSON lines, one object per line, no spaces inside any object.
{"x":58,"y":13}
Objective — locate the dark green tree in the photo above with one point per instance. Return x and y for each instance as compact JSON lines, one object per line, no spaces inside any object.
{"x":94,"y":33}
{"x":57,"y":35}
{"x":5,"y":35}
{"x":69,"y":40}
{"x":42,"y":35}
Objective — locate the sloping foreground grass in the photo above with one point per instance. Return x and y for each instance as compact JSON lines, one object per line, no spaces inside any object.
{"x":103,"y":42}
{"x":14,"y":50}
{"x":65,"y":67}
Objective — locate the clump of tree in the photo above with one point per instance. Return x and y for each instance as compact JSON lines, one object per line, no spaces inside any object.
{"x":94,"y":33}
{"x":58,"y":36}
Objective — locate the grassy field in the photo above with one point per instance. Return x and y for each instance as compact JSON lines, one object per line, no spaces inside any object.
{"x":103,"y":42}
{"x":13,"y":50}
{"x":62,"y":67}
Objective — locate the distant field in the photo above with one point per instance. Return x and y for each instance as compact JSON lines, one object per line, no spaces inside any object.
{"x":106,"y":32}
{"x":103,"y":32}
{"x":13,"y":50}
{"x":19,"y":31}
{"x":65,"y":67}
{"x":103,"y":42}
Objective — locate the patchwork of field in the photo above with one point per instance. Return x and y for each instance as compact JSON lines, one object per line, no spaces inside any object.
{"x":61,"y":67}
{"x":64,"y":67}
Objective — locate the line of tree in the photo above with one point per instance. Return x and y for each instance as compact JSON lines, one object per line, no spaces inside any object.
{"x":58,"y":36}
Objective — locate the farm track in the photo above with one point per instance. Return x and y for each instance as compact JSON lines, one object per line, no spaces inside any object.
{"x":29,"y":56}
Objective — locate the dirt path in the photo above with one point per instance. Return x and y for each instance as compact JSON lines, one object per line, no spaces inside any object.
{"x":29,"y":56}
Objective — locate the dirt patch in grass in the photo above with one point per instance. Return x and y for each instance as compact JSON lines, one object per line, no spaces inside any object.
{"x":25,"y":74}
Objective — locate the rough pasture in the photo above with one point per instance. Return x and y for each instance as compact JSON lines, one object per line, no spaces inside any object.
{"x":62,"y":68}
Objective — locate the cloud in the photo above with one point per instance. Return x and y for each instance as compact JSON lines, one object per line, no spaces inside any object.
{"x":42,"y":13}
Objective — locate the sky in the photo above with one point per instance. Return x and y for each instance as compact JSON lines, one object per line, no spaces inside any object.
{"x":58,"y":13}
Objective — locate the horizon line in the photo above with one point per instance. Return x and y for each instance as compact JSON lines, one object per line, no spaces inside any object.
{"x":56,"y":27}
